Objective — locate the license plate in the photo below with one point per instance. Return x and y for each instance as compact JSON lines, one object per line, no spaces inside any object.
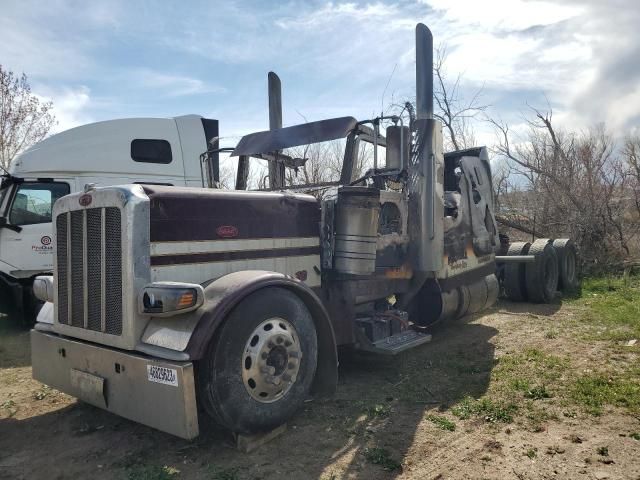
{"x":164,"y":375}
{"x":88,"y":387}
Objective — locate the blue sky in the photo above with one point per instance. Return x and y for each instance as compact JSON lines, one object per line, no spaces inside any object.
{"x":113,"y":59}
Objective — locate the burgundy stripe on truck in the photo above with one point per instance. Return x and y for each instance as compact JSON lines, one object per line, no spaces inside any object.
{"x":182,"y":214}
{"x":210,"y":257}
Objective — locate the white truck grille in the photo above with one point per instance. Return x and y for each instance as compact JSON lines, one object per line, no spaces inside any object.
{"x":89,"y":269}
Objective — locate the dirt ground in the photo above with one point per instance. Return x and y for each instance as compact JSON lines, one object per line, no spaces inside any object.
{"x":499,"y":395}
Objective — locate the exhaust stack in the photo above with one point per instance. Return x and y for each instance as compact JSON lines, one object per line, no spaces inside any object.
{"x":424,"y":72}
{"x":426,"y":187}
{"x":276,"y":169}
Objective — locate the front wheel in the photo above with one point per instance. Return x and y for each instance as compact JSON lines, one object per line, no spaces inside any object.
{"x":258,"y":370}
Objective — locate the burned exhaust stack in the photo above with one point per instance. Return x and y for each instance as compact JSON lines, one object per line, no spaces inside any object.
{"x":424,"y":72}
{"x":426,"y":186}
{"x":276,"y":169}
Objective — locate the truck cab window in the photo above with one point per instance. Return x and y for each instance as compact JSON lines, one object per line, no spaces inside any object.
{"x":33,"y":202}
{"x":151,"y":151}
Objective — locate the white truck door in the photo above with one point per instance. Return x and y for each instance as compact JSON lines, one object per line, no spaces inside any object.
{"x":30,"y":250}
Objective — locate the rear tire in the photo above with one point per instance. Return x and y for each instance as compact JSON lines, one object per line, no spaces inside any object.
{"x":542,"y":275}
{"x":567,"y":264}
{"x":514,"y":276}
{"x":258,"y":370}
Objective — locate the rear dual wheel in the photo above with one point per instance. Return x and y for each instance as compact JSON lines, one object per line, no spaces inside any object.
{"x":534,"y":282}
{"x":542,"y":275}
{"x":567,"y":264}
{"x":515,"y":287}
{"x":258,"y":370}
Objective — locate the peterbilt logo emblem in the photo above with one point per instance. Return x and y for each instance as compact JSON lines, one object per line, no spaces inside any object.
{"x":227,"y":231}
{"x":85,"y":200}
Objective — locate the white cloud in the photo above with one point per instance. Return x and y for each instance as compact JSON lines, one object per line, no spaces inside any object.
{"x":503,"y":14}
{"x":171,"y":85}
{"x":334,"y":57}
{"x":71,"y":106}
{"x":332,"y":12}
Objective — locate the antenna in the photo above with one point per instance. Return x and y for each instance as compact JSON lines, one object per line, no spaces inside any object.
{"x":385,"y":89}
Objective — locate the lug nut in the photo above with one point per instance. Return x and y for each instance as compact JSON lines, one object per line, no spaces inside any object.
{"x":287,"y":343}
{"x":291,"y":365}
{"x":279,"y":340}
{"x":264,"y":355}
{"x":286,"y":377}
{"x":294,"y":354}
{"x":271,"y":344}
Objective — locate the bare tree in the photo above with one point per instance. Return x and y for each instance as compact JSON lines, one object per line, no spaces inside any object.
{"x":24,"y":119}
{"x":324,"y":163}
{"x":456,"y":113}
{"x":631,"y":153}
{"x":572,"y":184}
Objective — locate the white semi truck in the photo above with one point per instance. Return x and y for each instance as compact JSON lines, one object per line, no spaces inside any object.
{"x":159,"y":151}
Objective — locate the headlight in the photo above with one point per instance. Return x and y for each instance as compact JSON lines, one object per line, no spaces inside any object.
{"x":170,"y":298}
{"x":43,"y":288}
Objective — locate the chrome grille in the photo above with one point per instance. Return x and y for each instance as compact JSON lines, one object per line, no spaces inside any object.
{"x":61,"y":252}
{"x":94,"y":273}
{"x":89,"y":269}
{"x":113,"y":270}
{"x":77,"y":269}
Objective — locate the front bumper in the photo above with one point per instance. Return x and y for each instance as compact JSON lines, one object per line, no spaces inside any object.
{"x":157,"y":393}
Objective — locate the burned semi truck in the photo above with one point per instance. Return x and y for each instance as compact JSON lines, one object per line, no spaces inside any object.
{"x":173,"y":302}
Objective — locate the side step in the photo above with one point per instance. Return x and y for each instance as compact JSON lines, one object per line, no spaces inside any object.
{"x":395,"y":343}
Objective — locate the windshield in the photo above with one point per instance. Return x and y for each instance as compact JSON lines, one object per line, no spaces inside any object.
{"x":33,"y":202}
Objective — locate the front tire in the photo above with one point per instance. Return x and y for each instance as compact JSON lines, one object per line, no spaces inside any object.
{"x":258,"y":369}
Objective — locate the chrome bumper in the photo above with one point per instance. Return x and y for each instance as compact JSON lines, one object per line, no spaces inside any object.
{"x":157,"y":393}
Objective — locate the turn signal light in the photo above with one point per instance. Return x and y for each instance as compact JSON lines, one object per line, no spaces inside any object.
{"x":168,"y":298}
{"x":187,"y":300}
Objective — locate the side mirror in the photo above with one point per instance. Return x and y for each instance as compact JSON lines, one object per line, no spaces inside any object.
{"x":5,"y":224}
{"x":43,"y":288}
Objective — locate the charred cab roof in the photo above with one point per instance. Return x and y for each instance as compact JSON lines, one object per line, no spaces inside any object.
{"x":303,"y":134}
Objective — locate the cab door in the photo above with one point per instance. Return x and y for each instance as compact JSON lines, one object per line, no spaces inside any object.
{"x":26,"y":240}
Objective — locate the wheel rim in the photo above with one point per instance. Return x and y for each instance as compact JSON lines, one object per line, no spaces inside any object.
{"x":271,"y":360}
{"x":570,"y":266}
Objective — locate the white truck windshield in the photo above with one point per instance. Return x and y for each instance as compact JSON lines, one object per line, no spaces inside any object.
{"x":33,"y":202}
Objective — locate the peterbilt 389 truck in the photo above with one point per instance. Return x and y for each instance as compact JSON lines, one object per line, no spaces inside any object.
{"x":171,"y":303}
